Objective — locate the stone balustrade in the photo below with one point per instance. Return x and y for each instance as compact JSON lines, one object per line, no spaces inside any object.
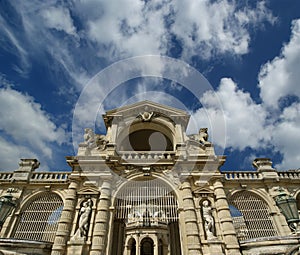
{"x":251,"y":175}
{"x":5,"y":176}
{"x":49,"y":176}
{"x":147,"y":155}
{"x":247,"y":175}
{"x":289,"y":174}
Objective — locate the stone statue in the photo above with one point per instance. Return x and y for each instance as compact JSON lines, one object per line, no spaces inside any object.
{"x":101,"y":142}
{"x":89,"y":138}
{"x":134,"y":216}
{"x":209,"y":222}
{"x":83,"y":224}
{"x":203,"y":136}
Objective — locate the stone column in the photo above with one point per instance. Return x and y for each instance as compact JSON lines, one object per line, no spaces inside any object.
{"x":66,"y":221}
{"x":100,"y":232}
{"x":190,"y":218}
{"x":230,"y":238}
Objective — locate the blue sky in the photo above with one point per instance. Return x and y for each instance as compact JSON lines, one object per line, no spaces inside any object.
{"x":249,"y":52}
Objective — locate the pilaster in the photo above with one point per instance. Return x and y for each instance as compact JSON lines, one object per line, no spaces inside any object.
{"x":190,"y":219}
{"x":66,"y":220}
{"x":100,"y":233}
{"x":230,"y":238}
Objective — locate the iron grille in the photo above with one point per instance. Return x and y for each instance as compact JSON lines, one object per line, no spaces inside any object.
{"x":150,"y":198}
{"x":39,"y":220}
{"x":255,"y":219}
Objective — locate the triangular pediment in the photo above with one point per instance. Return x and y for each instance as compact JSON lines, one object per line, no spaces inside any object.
{"x":136,"y":109}
{"x":202,"y":191}
{"x":92,"y":190}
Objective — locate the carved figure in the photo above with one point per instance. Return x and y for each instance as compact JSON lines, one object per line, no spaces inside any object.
{"x":135,"y":216}
{"x":209,"y":222}
{"x":89,"y":138}
{"x":159,"y":215}
{"x":101,"y":142}
{"x":146,"y":116}
{"x":203,"y":136}
{"x":83,"y":223}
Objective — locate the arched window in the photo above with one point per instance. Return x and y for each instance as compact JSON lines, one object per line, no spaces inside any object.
{"x":249,"y":209}
{"x":132,"y":246}
{"x":238,"y":222}
{"x":39,"y":219}
{"x":147,"y":247}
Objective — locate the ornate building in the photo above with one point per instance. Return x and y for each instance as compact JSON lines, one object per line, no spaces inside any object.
{"x":147,"y":188}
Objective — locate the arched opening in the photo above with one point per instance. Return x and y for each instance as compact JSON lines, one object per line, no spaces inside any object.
{"x":39,"y":219}
{"x":132,"y":246}
{"x":252,"y":214}
{"x":146,"y":204}
{"x":146,"y":140}
{"x":147,"y":246}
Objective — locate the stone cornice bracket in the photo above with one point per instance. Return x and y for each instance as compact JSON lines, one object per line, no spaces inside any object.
{"x":28,"y":165}
{"x":264,"y":166}
{"x":23,"y":173}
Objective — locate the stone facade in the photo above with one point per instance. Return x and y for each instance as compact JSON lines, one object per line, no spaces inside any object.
{"x":146,"y":187}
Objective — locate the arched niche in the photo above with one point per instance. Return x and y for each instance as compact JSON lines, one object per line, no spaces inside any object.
{"x":146,"y":136}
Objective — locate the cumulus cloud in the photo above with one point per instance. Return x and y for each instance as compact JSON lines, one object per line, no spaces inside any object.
{"x":253,"y":125}
{"x":27,"y":125}
{"x":11,"y":153}
{"x":286,"y":136}
{"x":104,"y":32}
{"x":217,"y":27}
{"x":231,"y":113}
{"x":280,"y":77}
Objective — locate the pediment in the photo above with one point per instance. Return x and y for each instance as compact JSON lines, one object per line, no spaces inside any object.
{"x":202,"y":191}
{"x":88,"y":191}
{"x":134,"y":110}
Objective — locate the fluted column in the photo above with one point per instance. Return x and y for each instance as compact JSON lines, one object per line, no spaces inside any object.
{"x":66,"y":221}
{"x":100,"y":232}
{"x":225,"y":219}
{"x":190,"y":218}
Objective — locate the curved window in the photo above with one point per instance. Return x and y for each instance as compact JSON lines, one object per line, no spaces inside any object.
{"x":39,"y":220}
{"x":238,"y":222}
{"x":147,"y":246}
{"x":146,"y":140}
{"x":132,"y":246}
{"x":251,"y":216}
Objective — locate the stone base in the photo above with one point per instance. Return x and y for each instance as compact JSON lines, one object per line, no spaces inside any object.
{"x":78,"y":246}
{"x":213,"y":247}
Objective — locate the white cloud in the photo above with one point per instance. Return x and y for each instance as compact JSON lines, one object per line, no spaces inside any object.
{"x":244,"y":120}
{"x":127,"y":32}
{"x":207,"y":28}
{"x":286,"y":137}
{"x":11,"y":153}
{"x":203,"y":27}
{"x":27,"y":124}
{"x":58,"y":18}
{"x":280,"y":77}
